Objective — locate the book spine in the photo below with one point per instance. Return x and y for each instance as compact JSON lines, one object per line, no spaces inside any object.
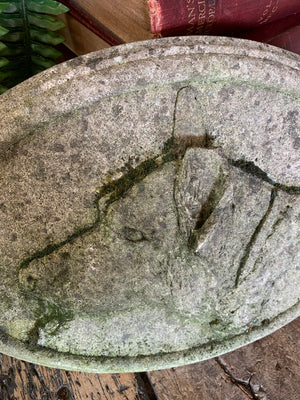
{"x":288,"y":40}
{"x":284,"y":33}
{"x":207,"y":17}
{"x":268,"y":31}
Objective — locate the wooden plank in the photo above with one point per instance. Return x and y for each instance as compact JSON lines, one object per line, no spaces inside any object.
{"x":20,"y":380}
{"x":201,"y":381}
{"x":268,"y":369}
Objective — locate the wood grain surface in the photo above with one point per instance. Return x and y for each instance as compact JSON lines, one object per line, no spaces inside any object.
{"x":80,"y":39}
{"x":268,"y":369}
{"x":129,"y":20}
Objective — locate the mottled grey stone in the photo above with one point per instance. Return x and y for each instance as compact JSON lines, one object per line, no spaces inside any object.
{"x":149,"y":204}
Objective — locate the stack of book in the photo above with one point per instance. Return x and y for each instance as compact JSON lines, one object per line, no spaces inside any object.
{"x":93,"y":25}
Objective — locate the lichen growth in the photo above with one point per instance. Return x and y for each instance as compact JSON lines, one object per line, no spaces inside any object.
{"x":47,"y":315}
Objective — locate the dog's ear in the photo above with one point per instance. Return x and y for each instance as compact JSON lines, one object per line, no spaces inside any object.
{"x":199,"y":186}
{"x":200,"y":181}
{"x":188,"y":121}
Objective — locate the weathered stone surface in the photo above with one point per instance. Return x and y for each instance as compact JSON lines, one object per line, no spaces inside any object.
{"x":149,"y":204}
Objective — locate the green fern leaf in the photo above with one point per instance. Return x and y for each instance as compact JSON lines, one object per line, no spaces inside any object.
{"x":39,"y":6}
{"x":3,"y":6}
{"x":44,"y":21}
{"x":36,"y":35}
{"x":47,"y":37}
{"x":2,"y":47}
{"x":3,"y":31}
{"x":46,"y":6}
{"x":45,"y":51}
{"x":3,"y":62}
{"x":27,"y":33}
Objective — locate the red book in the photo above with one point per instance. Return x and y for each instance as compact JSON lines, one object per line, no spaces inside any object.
{"x":284,"y":33}
{"x":215,"y":17}
{"x":288,"y":40}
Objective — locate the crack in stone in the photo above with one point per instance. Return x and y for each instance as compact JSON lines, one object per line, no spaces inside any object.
{"x":253,"y":391}
{"x":250,"y":168}
{"x":253,"y":238}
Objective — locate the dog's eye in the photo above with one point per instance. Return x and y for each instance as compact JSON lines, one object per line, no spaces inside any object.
{"x":133,"y":235}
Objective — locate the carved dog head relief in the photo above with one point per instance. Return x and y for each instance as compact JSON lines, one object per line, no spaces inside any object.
{"x":150,"y":205}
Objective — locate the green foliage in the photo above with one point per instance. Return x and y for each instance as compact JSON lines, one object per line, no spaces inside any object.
{"x":27,"y":38}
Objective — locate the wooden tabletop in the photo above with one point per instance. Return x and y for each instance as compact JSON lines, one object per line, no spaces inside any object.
{"x":268,"y":369}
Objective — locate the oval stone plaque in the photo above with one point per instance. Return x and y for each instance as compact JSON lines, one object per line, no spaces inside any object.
{"x":149,"y":204}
